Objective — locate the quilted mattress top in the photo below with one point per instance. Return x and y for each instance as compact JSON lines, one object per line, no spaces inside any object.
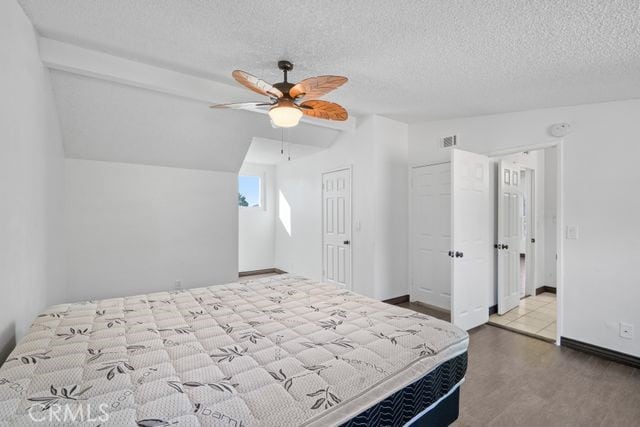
{"x":278,"y":351}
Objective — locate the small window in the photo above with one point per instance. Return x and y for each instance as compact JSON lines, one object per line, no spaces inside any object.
{"x":249,"y":194}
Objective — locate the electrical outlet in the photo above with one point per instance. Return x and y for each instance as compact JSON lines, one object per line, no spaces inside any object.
{"x":572,"y":232}
{"x":626,"y":330}
{"x":178,"y":284}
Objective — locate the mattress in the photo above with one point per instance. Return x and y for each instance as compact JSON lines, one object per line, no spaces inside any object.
{"x":279,"y":351}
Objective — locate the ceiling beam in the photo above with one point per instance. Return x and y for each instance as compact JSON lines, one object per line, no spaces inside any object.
{"x":57,"y":55}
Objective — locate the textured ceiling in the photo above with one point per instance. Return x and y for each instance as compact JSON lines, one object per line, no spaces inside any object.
{"x":111,"y":122}
{"x":409,"y":60}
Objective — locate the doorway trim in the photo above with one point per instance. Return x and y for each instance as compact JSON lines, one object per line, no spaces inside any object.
{"x":531,"y":276}
{"x":351,"y":245}
{"x":559,"y":145}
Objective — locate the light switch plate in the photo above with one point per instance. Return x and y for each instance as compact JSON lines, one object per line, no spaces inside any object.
{"x":572,"y":232}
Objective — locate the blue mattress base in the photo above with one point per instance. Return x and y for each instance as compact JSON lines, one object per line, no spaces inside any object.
{"x":403,"y":406}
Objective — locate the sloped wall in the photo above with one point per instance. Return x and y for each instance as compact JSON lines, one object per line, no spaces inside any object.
{"x":32,"y":266}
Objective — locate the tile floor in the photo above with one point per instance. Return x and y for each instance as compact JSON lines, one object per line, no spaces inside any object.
{"x":535,"y":316}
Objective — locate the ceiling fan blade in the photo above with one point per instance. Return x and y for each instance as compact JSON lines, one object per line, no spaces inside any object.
{"x":256,"y":84}
{"x":315,"y":87}
{"x":324,"y":110}
{"x":243,"y":105}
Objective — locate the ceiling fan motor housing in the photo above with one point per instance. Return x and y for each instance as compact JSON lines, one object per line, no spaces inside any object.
{"x":285,"y":65}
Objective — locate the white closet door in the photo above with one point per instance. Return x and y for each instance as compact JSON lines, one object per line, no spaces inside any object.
{"x":336,"y":228}
{"x":431,"y":235}
{"x":510,"y":235}
{"x":471,"y":241}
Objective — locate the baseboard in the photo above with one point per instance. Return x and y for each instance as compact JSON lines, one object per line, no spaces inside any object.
{"x":397,"y":300}
{"x":432,"y":307}
{"x":543,"y":289}
{"x":263,"y":271}
{"x":605,"y":353}
{"x":493,"y":309}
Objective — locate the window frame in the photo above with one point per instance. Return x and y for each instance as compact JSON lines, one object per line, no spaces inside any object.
{"x":261,"y":186}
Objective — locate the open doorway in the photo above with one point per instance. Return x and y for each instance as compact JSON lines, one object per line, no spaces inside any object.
{"x":526,"y":242}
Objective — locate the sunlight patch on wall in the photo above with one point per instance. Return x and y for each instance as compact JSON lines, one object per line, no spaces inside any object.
{"x":284,"y":212}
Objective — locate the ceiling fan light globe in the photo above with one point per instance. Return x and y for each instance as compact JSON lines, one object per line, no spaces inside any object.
{"x":285,"y":116}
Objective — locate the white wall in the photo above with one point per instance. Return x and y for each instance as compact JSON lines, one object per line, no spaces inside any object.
{"x":135,"y":228}
{"x":256,"y":226}
{"x":600,"y":180}
{"x":377,"y":152}
{"x":31,"y":182}
{"x":390,"y":199}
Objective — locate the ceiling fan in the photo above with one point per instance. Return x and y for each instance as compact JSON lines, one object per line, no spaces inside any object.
{"x":288,"y":102}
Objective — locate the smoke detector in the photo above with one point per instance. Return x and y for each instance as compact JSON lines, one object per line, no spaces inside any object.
{"x":560,"y":129}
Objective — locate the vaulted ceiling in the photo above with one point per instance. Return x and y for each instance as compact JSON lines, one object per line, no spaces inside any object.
{"x":107,"y":121}
{"x":410,"y":60}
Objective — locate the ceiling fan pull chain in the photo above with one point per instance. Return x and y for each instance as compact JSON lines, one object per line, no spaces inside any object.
{"x":282,"y":146}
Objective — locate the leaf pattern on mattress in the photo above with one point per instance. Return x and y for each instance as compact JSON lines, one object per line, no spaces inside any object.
{"x":32,"y":358}
{"x":73,"y":332}
{"x":224,"y":385}
{"x":116,"y":367}
{"x":327,"y":399}
{"x":57,"y":395}
{"x":227,"y":354}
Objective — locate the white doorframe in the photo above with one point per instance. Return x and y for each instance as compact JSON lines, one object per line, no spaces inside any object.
{"x":559,"y":145}
{"x":531,"y":259}
{"x":351,"y":245}
{"x":410,"y":241}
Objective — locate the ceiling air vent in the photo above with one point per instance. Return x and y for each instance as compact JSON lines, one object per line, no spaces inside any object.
{"x":449,"y":141}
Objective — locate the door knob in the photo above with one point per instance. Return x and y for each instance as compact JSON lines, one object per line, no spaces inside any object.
{"x":459,"y":254}
{"x":346,"y":242}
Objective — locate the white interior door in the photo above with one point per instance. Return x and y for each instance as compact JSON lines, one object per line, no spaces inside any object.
{"x":510,"y":235}
{"x":336,"y":227}
{"x":471,"y":247}
{"x":431,"y":235}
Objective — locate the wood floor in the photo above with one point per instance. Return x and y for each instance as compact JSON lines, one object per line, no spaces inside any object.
{"x":515,"y":380}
